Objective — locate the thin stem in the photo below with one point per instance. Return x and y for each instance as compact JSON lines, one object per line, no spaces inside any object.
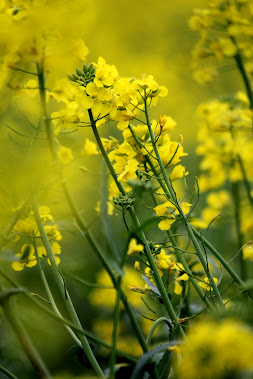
{"x":64,"y":321}
{"x":114,"y":334}
{"x":50,"y":296}
{"x":76,"y":214}
{"x":175,"y":200}
{"x":7,"y":373}
{"x":136,"y":222}
{"x":24,"y":338}
{"x":153,"y":327}
{"x":237,"y":215}
{"x":243,"y":72}
{"x":180,"y":257}
{"x":66,"y":298}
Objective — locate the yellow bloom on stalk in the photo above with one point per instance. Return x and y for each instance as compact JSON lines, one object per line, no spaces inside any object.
{"x":165,"y":224}
{"x":25,"y":258}
{"x":206,"y":284}
{"x":247,"y":251}
{"x":162,"y":209}
{"x":166,"y":124}
{"x":90,"y":148}
{"x":178,"y":173}
{"x":105,"y":75}
{"x":222,"y":349}
{"x":134,"y":247}
{"x":56,"y":248}
{"x":27,"y":226}
{"x":178,"y":288}
{"x":65,"y":154}
{"x":129,"y":172}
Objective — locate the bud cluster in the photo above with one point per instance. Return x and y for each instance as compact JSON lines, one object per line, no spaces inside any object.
{"x":155,"y":248}
{"x":124,"y":201}
{"x":83,"y":77}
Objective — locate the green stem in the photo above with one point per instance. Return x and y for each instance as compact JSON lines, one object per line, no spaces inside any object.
{"x":215,"y":252}
{"x":153,"y":327}
{"x":12,"y":223}
{"x":115,"y":333}
{"x":136,"y":222}
{"x":175,"y":200}
{"x":7,"y":373}
{"x":66,"y":298}
{"x":245,"y":78}
{"x":180,"y":257}
{"x":24,"y":338}
{"x":50,"y":295}
{"x":237,"y":207}
{"x":63,"y":320}
{"x":76,"y":214}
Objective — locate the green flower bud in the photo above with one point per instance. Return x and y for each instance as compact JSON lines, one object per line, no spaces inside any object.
{"x":90,"y":67}
{"x":79,"y":72}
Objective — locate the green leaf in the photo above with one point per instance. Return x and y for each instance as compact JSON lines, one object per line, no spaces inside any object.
{"x":146,"y":360}
{"x":164,"y":365}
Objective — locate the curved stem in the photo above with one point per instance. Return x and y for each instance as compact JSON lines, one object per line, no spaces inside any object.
{"x":180,"y":257}
{"x":136,"y":222}
{"x":66,"y":298}
{"x":7,"y":373}
{"x":67,"y":322}
{"x":50,"y":295}
{"x":153,"y":327}
{"x":76,"y":214}
{"x":24,"y":339}
{"x":175,"y":200}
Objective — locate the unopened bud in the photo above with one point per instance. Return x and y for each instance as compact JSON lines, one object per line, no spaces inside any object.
{"x":79,"y":72}
{"x":181,"y":138}
{"x":84,"y":169}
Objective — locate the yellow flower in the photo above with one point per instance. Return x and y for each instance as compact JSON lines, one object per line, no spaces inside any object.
{"x":65,"y":154}
{"x":214,"y":350}
{"x":166,"y":223}
{"x":25,"y":258}
{"x":178,"y":173}
{"x":247,"y":251}
{"x":205,"y":284}
{"x":134,"y":247}
{"x":90,"y":148}
{"x":56,"y":248}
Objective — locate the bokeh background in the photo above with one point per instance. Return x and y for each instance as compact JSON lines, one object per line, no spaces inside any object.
{"x":137,"y":37}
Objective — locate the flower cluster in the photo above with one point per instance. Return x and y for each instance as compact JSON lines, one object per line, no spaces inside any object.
{"x":224,"y":133}
{"x":27,"y":228}
{"x":217,"y":350}
{"x":225,"y":29}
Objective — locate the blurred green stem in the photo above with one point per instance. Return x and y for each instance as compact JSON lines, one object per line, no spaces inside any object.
{"x":7,"y":373}
{"x":50,"y":295}
{"x":237,"y":216}
{"x":63,"y":320}
{"x":23,"y":336}
{"x":65,"y":296}
{"x":115,"y":330}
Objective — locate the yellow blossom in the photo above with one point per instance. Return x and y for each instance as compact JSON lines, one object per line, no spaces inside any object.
{"x":90,"y":148}
{"x":134,"y":247}
{"x":65,"y":154}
